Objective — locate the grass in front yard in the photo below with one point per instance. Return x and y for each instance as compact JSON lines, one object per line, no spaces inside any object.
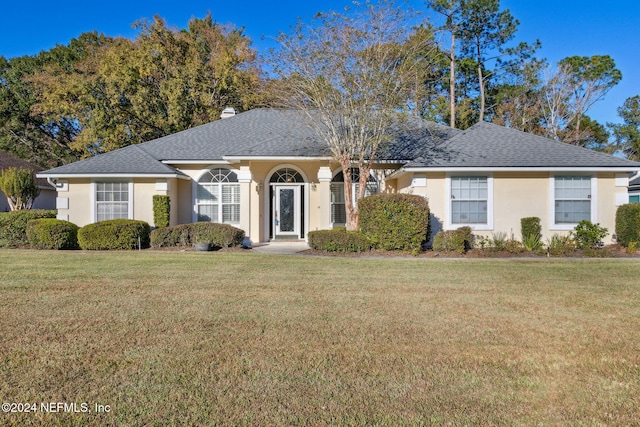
{"x":176,"y":338}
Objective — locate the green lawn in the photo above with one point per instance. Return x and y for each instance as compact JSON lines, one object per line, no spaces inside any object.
{"x":186,"y":338}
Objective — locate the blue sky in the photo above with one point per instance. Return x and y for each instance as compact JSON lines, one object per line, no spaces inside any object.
{"x":565,"y":27}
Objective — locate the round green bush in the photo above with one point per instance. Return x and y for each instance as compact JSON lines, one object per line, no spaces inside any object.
{"x":395,"y":221}
{"x":114,"y":234}
{"x":458,"y":240}
{"x":51,"y":233}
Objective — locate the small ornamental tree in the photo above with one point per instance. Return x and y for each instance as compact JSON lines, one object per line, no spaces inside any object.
{"x":20,"y":187}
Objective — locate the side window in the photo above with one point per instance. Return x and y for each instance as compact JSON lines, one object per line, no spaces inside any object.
{"x":112,"y":200}
{"x":218,"y":197}
{"x":572,"y":199}
{"x":469,"y":200}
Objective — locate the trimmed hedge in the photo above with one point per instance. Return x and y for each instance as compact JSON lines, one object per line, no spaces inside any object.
{"x":459,"y":240}
{"x":395,"y":221}
{"x":530,"y":227}
{"x":114,"y":235}
{"x":628,"y":224}
{"x":13,"y":225}
{"x":219,"y":235}
{"x":339,"y":240}
{"x":161,"y":210}
{"x":51,"y":233}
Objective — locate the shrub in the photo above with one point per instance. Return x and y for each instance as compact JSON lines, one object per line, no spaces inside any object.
{"x":628,"y":223}
{"x":498,"y":240}
{"x":219,"y":235}
{"x":51,"y":233}
{"x":530,"y":227}
{"x":453,"y":240}
{"x":161,"y":210}
{"x":339,"y":240}
{"x":13,"y":225}
{"x":513,"y":246}
{"x":114,"y":234}
{"x":532,"y":243}
{"x":395,"y":221}
{"x":589,"y":235}
{"x":560,"y":245}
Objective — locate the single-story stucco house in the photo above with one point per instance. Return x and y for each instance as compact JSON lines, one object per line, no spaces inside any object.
{"x":266,"y":172}
{"x":47,"y":197}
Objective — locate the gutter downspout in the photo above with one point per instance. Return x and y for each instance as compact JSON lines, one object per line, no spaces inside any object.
{"x":54,"y":183}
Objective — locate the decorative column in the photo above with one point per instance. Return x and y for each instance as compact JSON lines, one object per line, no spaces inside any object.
{"x":244,"y":178}
{"x":324,"y":197}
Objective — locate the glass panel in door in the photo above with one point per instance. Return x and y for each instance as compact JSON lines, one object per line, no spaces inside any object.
{"x":287,"y":210}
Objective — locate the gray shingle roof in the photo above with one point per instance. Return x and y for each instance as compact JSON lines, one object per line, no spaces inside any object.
{"x":131,"y":160}
{"x":490,"y":145}
{"x":284,"y":133}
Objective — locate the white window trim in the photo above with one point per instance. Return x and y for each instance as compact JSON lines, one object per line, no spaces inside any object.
{"x":194,"y":191}
{"x":94,"y":199}
{"x":552,"y":201}
{"x":489,"y":225}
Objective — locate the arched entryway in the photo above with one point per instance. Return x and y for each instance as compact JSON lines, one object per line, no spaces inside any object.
{"x":287,"y":213}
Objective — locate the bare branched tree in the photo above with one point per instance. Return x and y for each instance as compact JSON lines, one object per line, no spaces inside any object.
{"x":349,"y":74}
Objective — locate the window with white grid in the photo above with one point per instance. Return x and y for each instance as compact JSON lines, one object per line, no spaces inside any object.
{"x":572,"y":199}
{"x":112,"y":200}
{"x":218,"y":197}
{"x":469,"y":199}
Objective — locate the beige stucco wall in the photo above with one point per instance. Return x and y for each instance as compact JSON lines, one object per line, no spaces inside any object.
{"x":254,"y":194}
{"x":80,"y":198}
{"x":515,"y":195}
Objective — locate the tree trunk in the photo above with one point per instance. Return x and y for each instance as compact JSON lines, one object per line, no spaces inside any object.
{"x":452,"y":82}
{"x":353,"y":217}
{"x":351,"y":210}
{"x":481,"y":82}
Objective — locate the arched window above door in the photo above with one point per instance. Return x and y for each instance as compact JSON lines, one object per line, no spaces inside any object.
{"x":286,"y":175}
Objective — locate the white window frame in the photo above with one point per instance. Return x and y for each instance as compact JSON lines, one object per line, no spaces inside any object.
{"x":220,"y":204}
{"x":94,"y":197}
{"x":449,"y":209}
{"x":552,"y":200}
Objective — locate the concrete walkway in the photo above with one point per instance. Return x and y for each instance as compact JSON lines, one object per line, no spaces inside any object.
{"x":281,"y":248}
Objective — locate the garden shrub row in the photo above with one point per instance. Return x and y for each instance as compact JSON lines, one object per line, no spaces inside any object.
{"x":339,"y":240}
{"x":13,"y":225}
{"x":218,"y":235}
